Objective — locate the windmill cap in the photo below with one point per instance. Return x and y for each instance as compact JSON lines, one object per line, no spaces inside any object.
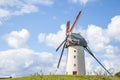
{"x":77,"y":39}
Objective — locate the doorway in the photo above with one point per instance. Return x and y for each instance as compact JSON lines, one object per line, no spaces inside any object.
{"x":74,"y":72}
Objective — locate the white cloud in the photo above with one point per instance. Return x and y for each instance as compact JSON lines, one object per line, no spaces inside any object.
{"x":44,"y":2}
{"x":100,"y":41}
{"x":4,"y":13}
{"x":111,"y":51}
{"x":89,"y":64}
{"x":80,"y":1}
{"x":112,"y":55}
{"x":41,"y":37}
{"x":112,"y":64}
{"x":97,"y":38}
{"x":114,"y":28}
{"x":10,"y":3}
{"x":17,"y":39}
{"x":19,"y":7}
{"x":53,"y":39}
{"x":26,"y":9}
{"x":21,"y":62}
{"x":17,"y":3}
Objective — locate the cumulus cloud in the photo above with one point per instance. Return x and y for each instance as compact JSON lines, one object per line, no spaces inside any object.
{"x":114,"y":28}
{"x":101,"y":40}
{"x":17,"y":39}
{"x":21,"y":62}
{"x":19,"y":7}
{"x":97,"y":37}
{"x":112,"y":55}
{"x":53,"y":39}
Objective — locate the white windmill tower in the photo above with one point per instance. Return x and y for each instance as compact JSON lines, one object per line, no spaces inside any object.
{"x":75,"y":45}
{"x":75,"y":52}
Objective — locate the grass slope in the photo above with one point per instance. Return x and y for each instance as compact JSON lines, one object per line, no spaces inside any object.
{"x":65,"y":77}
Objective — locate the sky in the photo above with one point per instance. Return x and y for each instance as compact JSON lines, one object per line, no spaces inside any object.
{"x":31,"y":30}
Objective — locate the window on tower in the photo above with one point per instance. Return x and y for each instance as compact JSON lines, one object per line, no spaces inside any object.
{"x":74,"y":56}
{"x":74,"y":50}
{"x":74,"y":64}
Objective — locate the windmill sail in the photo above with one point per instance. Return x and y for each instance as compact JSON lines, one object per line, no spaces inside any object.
{"x":61,"y":55}
{"x":75,"y":22}
{"x":68,"y":28}
{"x":90,"y":52}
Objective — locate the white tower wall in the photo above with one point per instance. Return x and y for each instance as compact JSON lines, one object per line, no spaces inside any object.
{"x":75,"y":60}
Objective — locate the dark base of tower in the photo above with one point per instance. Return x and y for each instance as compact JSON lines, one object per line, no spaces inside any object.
{"x":74,"y":72}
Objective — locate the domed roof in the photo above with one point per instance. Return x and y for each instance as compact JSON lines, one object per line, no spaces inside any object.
{"x":77,"y":39}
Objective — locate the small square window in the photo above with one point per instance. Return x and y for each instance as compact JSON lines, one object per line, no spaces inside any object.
{"x":74,"y":64}
{"x":74,"y":50}
{"x":74,"y":57}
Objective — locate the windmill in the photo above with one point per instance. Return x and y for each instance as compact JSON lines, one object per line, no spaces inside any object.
{"x":76,"y":45}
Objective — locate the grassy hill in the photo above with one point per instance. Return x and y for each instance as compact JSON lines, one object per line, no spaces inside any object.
{"x":65,"y":77}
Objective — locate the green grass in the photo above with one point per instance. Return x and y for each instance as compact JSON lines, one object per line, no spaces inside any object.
{"x":65,"y":77}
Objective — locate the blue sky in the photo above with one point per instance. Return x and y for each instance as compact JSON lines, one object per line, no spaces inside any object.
{"x":31,"y":30}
